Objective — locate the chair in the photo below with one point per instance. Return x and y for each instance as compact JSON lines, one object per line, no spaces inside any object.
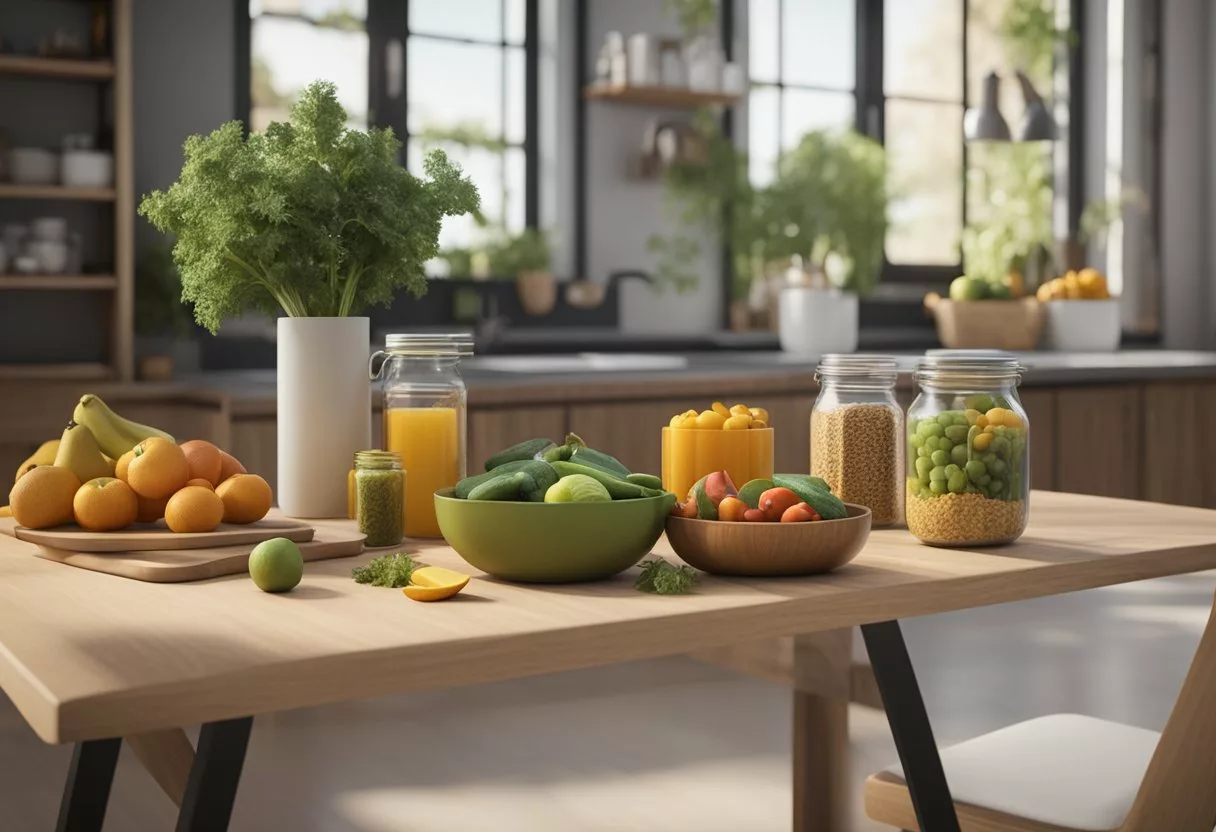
{"x":1070,"y":773}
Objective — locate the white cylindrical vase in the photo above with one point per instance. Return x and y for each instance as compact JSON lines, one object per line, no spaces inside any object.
{"x":815,"y":322}
{"x":324,"y":411}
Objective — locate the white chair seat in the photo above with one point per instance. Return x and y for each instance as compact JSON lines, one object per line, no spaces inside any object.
{"x":1068,"y":770}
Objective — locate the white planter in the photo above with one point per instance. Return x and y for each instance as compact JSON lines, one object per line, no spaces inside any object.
{"x":1083,"y":325}
{"x":324,"y":411}
{"x":815,"y":322}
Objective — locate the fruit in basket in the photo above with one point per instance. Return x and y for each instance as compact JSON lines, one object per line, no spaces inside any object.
{"x":115,"y":434}
{"x":43,"y":497}
{"x":815,"y":493}
{"x":105,"y":504}
{"x":732,"y":509}
{"x":966,"y":288}
{"x":45,"y":455}
{"x":1087,"y":284}
{"x":276,"y":565}
{"x":157,"y":469}
{"x":230,"y":466}
{"x":720,"y":417}
{"x":204,"y":460}
{"x":775,"y":501}
{"x":751,"y":491}
{"x":194,"y":509}
{"x":708,"y":493}
{"x":801,"y":513}
{"x":201,"y":483}
{"x":246,"y":498}
{"x":78,"y":452}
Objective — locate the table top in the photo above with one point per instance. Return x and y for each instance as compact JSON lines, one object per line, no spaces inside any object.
{"x":85,"y":655}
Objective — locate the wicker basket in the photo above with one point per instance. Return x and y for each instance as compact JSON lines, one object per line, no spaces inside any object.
{"x":987,"y":324}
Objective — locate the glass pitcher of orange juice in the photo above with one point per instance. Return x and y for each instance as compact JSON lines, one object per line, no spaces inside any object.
{"x":425,"y":403}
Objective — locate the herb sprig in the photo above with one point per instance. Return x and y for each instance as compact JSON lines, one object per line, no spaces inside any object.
{"x":661,"y":578}
{"x":387,"y":570}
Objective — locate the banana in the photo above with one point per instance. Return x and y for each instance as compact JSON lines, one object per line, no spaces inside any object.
{"x":79,"y":453}
{"x":115,"y":435}
{"x":45,"y":455}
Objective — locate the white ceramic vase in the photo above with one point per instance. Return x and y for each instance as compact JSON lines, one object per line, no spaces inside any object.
{"x":815,"y":322}
{"x":324,"y":411}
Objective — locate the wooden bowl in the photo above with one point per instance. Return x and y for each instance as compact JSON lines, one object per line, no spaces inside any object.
{"x":769,"y":549}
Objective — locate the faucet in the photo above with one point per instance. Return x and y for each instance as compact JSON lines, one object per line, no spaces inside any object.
{"x":490,"y":324}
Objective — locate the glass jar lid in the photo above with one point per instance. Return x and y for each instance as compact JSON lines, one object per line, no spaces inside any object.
{"x":854,"y":367}
{"x":969,"y":367}
{"x":379,"y":460}
{"x":429,"y":344}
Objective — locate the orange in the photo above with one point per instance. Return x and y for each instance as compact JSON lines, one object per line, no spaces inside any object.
{"x":105,"y":504}
{"x":246,"y":497}
{"x":124,"y":461}
{"x":201,"y":483}
{"x":194,"y":509}
{"x":43,"y":497}
{"x":150,"y":510}
{"x":229,"y":465}
{"x":158,"y":469}
{"x":204,"y":459}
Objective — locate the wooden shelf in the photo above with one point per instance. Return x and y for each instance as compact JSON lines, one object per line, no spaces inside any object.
{"x":53,"y":282}
{"x":56,"y":372}
{"x":9,"y":191}
{"x":88,"y":70}
{"x":678,"y":97}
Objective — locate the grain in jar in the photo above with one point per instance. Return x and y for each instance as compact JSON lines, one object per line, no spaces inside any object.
{"x":857,"y":434}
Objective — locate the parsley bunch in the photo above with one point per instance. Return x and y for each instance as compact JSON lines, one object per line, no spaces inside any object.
{"x":660,"y":577}
{"x":387,"y":570}
{"x":309,"y":217}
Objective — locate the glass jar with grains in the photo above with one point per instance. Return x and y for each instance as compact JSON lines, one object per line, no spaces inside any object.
{"x":968,"y":450}
{"x":857,"y":434}
{"x":380,"y":497}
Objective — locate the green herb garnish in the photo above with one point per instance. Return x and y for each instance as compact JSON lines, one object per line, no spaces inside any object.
{"x":387,"y":570}
{"x":660,"y":577}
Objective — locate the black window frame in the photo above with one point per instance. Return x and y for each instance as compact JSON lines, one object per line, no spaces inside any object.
{"x":388,"y":21}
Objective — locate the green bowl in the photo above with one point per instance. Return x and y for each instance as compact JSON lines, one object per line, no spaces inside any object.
{"x":552,"y":543}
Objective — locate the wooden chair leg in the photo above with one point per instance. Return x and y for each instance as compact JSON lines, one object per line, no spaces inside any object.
{"x":168,"y":756}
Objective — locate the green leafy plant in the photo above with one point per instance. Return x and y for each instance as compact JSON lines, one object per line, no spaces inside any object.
{"x":511,"y":254}
{"x":695,"y":16}
{"x":158,"y":291}
{"x":1010,"y":230}
{"x":1029,"y":32}
{"x":387,"y":570}
{"x":308,"y":217}
{"x":662,"y":578}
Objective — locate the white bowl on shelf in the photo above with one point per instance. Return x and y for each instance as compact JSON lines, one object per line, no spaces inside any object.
{"x":33,"y":166}
{"x":87,"y":169}
{"x":1083,"y":325}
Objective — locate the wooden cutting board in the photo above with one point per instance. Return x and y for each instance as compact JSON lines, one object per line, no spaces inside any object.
{"x":157,"y":537}
{"x":179,"y":565}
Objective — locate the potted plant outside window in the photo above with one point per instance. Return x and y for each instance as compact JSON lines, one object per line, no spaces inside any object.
{"x":317,"y":222}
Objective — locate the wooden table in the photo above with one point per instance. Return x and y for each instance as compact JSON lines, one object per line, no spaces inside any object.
{"x":90,"y":658}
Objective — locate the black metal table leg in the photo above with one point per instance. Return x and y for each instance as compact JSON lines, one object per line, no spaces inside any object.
{"x":215,"y":775}
{"x":87,"y":791}
{"x":910,"y":726}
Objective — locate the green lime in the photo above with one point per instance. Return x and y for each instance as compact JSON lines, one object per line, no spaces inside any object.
{"x":968,"y":288}
{"x":276,"y":565}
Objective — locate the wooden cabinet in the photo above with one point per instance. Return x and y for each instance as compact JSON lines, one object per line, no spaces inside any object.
{"x":492,"y":430}
{"x":1040,"y":406}
{"x":1180,"y":443}
{"x":1099,"y":440}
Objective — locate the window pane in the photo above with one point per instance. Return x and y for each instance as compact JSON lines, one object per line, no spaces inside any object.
{"x":477,"y":19}
{"x":515,"y":94}
{"x":454,"y":84}
{"x":923,"y":49}
{"x":806,"y":111}
{"x":513,"y":26}
{"x":485,"y":168}
{"x":924,"y":143}
{"x":762,"y":40}
{"x":288,"y":55}
{"x":817,"y":43}
{"x":762,"y":139}
{"x":516,"y":164}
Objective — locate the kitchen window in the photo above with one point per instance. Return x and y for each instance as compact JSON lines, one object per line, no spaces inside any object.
{"x":458,"y":74}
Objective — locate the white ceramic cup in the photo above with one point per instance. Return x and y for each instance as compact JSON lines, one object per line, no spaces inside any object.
{"x":53,"y":229}
{"x":87,"y":168}
{"x":52,"y":255}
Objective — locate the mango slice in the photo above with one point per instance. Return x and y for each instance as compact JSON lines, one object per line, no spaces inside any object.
{"x":434,"y":583}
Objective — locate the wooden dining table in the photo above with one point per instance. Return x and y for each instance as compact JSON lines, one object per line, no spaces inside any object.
{"x":92,"y":659}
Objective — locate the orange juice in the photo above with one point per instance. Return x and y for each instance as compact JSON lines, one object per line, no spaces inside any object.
{"x":431,"y":445}
{"x":689,"y":454}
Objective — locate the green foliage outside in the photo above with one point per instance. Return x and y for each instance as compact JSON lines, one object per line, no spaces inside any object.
{"x":158,"y":290}
{"x":308,"y":217}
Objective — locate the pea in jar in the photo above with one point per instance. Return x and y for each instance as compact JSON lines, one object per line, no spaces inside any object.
{"x":968,"y":450}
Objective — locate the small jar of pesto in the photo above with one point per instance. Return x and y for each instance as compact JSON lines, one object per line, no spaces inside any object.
{"x":380,"y":497}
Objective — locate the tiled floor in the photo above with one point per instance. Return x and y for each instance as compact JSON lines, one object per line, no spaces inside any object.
{"x":653,"y":746}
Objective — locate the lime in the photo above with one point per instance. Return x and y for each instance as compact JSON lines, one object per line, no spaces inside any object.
{"x":276,"y":565}
{"x":968,"y":288}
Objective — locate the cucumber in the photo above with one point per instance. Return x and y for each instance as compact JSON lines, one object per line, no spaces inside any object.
{"x":528,"y":484}
{"x":469,"y":483}
{"x":646,"y":481}
{"x":814,"y":493}
{"x":521,"y":451}
{"x":598,"y":459}
{"x":563,"y":452}
{"x":618,"y":488}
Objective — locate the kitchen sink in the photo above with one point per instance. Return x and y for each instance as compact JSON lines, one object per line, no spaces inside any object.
{"x":578,"y":363}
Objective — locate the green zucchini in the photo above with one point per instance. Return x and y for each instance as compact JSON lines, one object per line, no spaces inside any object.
{"x":469,"y":483}
{"x":598,"y":459}
{"x":528,"y":484}
{"x":618,"y":488}
{"x":524,"y":450}
{"x":646,"y":481}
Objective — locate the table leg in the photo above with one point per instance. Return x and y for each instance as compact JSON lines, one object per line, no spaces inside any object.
{"x":910,"y":726}
{"x":215,"y":775}
{"x":87,"y":791}
{"x":821,"y":668}
{"x":167,"y":755}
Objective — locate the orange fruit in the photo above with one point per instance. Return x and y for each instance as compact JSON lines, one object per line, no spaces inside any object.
{"x":150,"y":510}
{"x":201,"y":483}
{"x":105,"y":504}
{"x":124,"y":461}
{"x":158,"y":469}
{"x":247,"y":498}
{"x":229,"y":465}
{"x":204,"y":459}
{"x":43,"y":497}
{"x":194,"y":509}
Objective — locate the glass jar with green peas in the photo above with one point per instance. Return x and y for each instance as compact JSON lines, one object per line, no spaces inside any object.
{"x":968,"y":460}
